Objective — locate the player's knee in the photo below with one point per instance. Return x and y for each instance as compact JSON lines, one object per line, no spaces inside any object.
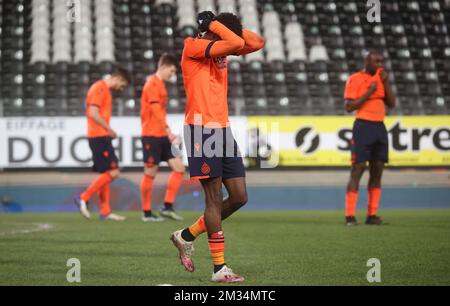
{"x":240,"y":200}
{"x":374,"y":182}
{"x":357,"y":171}
{"x":114,"y":173}
{"x":375,"y":176}
{"x":177,"y":165}
{"x":243,"y":199}
{"x":181,"y":169}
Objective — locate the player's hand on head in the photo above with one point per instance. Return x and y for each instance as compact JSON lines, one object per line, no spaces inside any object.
{"x":384,"y":75}
{"x":204,"y":19}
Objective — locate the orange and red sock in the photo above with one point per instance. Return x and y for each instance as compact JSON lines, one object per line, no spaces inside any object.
{"x":374,"y":200}
{"x":173,"y":185}
{"x":146,"y":193}
{"x":105,"y":208}
{"x":198,"y":228}
{"x":96,"y":185}
{"x":216,"y":243}
{"x":351,"y":199}
{"x":195,"y":230}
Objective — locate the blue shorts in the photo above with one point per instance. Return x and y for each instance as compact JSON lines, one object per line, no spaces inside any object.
{"x":103,"y":154}
{"x":212,"y":153}
{"x":369,"y":142}
{"x":156,"y":150}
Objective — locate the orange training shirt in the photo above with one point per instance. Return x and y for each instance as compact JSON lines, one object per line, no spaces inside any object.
{"x":153,"y":119}
{"x":100,"y":96}
{"x":357,"y":85}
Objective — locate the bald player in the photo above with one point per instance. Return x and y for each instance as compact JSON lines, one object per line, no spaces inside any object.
{"x":368,"y":92}
{"x":205,"y":76}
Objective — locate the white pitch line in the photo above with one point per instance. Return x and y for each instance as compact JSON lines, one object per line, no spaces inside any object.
{"x":37,"y":227}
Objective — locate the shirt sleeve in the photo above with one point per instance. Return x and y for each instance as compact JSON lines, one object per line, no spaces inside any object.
{"x":197,"y":48}
{"x":96,"y":96}
{"x":253,"y":42}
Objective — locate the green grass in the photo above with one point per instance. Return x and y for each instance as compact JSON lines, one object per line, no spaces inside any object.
{"x":268,"y":248}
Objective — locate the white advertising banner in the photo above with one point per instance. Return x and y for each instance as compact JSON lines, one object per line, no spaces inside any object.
{"x":60,"y":142}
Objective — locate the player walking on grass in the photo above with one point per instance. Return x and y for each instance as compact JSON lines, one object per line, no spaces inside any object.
{"x":156,"y":141}
{"x":367,"y":92}
{"x":100,"y":136}
{"x":204,"y":65}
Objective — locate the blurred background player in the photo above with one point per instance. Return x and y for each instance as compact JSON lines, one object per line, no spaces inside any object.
{"x":205,"y":76}
{"x":367,"y":92}
{"x":156,"y":140}
{"x":100,"y":136}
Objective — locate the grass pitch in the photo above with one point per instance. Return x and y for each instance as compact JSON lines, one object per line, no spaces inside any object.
{"x":268,"y":248}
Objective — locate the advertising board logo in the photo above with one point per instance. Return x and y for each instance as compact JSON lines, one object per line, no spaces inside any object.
{"x":306,"y":140}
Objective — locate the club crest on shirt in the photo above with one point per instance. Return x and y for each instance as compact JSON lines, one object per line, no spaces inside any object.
{"x":220,"y":62}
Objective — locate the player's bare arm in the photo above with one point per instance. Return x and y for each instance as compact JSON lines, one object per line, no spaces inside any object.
{"x":95,"y":115}
{"x":172,"y":137}
{"x":352,"y":105}
{"x":389,"y":99}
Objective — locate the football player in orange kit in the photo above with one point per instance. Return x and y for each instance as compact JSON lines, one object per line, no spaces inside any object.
{"x":205,"y":76}
{"x":100,"y":136}
{"x":156,"y":141}
{"x":368,"y":92}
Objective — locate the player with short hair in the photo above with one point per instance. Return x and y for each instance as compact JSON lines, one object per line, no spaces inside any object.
{"x":368,"y":92}
{"x":204,"y":66}
{"x":156,"y":140}
{"x":100,"y":136}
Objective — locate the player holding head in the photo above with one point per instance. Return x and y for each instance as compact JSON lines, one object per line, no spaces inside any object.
{"x":204,"y":65}
{"x":157,"y":138}
{"x":367,"y":92}
{"x":100,"y":136}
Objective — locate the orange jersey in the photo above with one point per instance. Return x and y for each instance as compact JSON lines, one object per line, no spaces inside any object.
{"x":205,"y":74}
{"x":153,"y":119}
{"x":357,"y":85}
{"x":100,"y":96}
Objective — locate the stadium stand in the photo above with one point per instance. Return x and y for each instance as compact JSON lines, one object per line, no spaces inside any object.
{"x":48,"y":63}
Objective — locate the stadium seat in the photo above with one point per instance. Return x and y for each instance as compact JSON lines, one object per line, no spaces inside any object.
{"x":227,"y":6}
{"x":318,"y":44}
{"x":206,"y":5}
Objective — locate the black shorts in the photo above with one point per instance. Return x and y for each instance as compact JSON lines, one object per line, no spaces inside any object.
{"x":212,"y":153}
{"x":370,"y":142}
{"x":103,"y":154}
{"x":156,"y":150}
